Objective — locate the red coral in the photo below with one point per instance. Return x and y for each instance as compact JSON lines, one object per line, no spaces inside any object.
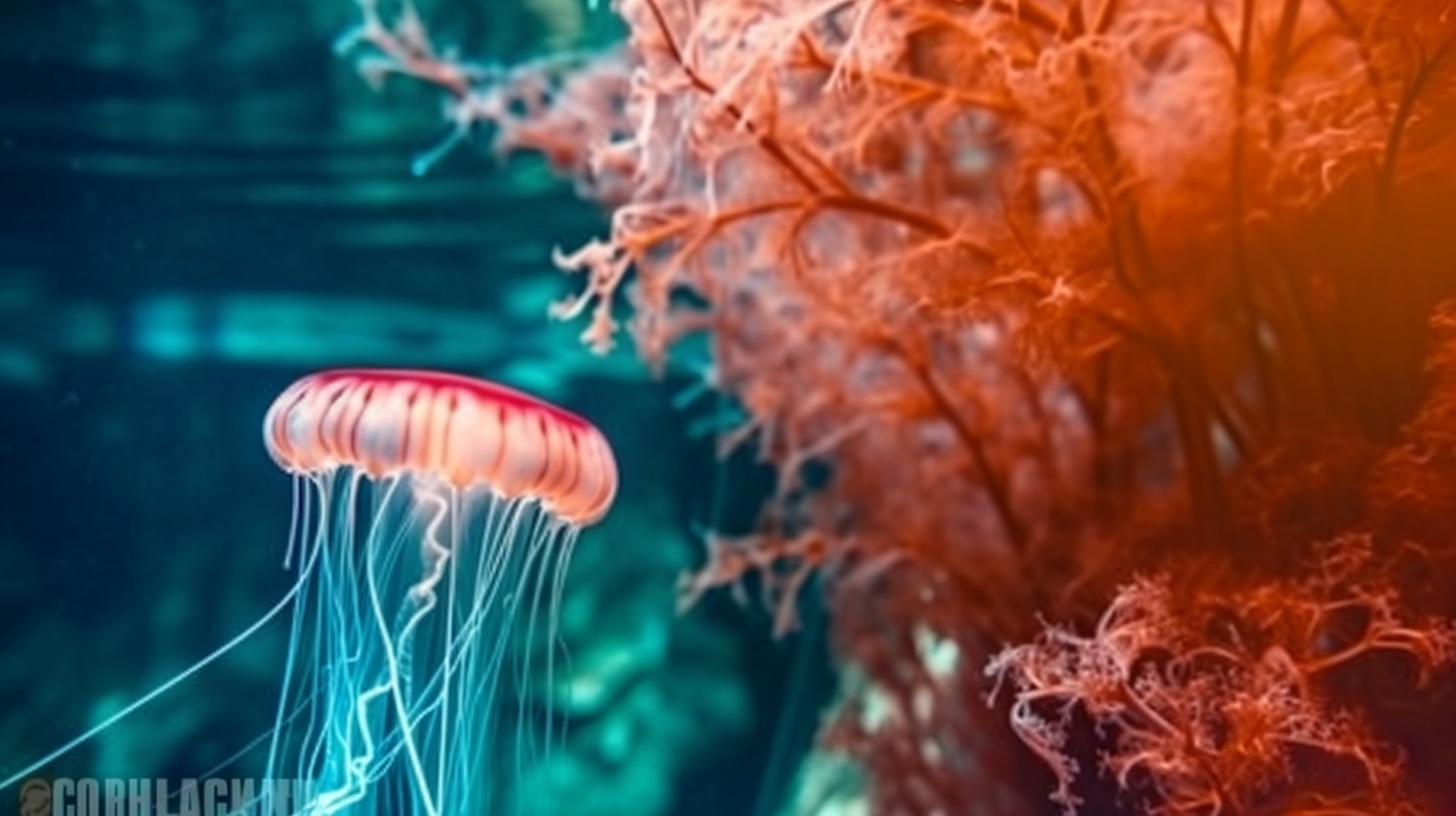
{"x":567,"y":107}
{"x":1059,"y":292}
{"x":1219,"y":704}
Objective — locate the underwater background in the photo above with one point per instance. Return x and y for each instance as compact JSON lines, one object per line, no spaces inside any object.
{"x":1021,"y":407}
{"x":199,"y":202}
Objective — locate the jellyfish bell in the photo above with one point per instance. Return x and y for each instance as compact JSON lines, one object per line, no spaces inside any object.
{"x":433,"y":524}
{"x":462,"y":432}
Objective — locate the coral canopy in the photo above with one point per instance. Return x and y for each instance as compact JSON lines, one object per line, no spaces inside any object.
{"x":1123,"y":306}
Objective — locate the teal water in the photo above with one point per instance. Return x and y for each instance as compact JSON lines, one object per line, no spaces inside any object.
{"x":197,"y":205}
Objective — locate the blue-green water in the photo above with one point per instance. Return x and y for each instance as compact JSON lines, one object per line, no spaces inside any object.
{"x":198,"y":204}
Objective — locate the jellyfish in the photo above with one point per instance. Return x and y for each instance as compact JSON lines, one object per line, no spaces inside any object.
{"x":434,"y":520}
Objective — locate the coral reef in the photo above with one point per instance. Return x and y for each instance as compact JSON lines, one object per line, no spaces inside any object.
{"x":1061,"y":296}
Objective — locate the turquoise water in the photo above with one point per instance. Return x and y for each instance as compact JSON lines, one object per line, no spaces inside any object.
{"x":198,"y":205}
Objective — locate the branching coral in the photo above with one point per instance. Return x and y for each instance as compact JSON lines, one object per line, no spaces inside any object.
{"x":1219,"y":704}
{"x":563,"y":106}
{"x":1059,"y":291}
{"x":1059,"y":265}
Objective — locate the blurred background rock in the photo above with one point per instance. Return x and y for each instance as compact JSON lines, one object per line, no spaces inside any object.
{"x":198,"y":203}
